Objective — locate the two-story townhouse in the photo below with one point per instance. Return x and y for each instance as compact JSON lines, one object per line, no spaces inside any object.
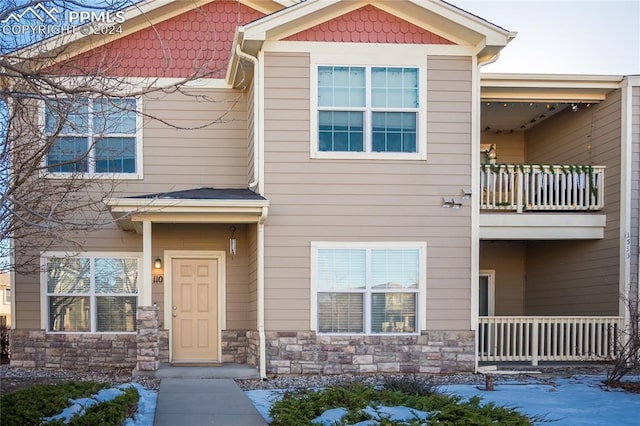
{"x":342,"y":217}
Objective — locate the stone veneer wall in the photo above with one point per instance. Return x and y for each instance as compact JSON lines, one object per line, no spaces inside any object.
{"x":164,"y":345}
{"x":37,"y":349}
{"x":432,"y":352}
{"x":234,"y":346}
{"x":253,"y":348}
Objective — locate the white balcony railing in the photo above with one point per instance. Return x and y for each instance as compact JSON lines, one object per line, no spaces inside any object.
{"x":536,"y":339}
{"x":545,"y":187}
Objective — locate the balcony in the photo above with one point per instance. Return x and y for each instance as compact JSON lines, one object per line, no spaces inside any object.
{"x":525,"y":187}
{"x":563,"y":193}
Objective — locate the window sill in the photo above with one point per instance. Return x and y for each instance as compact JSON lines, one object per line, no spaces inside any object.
{"x":369,"y":335}
{"x":94,"y":176}
{"x":92,"y":332}
{"x":414,"y":156}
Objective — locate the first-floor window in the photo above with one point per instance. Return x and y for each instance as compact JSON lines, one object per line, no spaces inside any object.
{"x":369,"y":290}
{"x":92,"y":293}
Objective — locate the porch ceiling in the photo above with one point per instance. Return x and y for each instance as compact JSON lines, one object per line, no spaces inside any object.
{"x":201,"y":205}
{"x":516,"y":102}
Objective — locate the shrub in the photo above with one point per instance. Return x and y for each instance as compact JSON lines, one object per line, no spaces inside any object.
{"x":301,"y":407}
{"x":27,"y":406}
{"x":114,"y":412}
{"x":4,"y":341}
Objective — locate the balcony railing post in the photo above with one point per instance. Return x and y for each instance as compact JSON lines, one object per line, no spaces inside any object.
{"x":519,"y":194}
{"x":534,"y":343}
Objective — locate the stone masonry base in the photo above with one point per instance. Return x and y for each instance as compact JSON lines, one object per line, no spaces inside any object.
{"x":432,"y":352}
{"x":288,"y":352}
{"x":37,"y":349}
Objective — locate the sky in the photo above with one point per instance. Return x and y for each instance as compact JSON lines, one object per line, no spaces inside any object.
{"x":564,"y":37}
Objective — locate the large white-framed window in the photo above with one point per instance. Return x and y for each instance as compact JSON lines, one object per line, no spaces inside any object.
{"x":368,"y":287}
{"x":94,"y":136}
{"x":90,"y":292}
{"x":366,"y":111}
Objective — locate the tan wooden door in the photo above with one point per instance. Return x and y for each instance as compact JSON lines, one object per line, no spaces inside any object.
{"x":194,"y":314}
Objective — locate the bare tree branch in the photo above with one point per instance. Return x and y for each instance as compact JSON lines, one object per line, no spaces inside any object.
{"x":49,"y":195}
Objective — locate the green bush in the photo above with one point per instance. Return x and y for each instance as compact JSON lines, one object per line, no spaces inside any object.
{"x":28,"y":406}
{"x":301,"y":407}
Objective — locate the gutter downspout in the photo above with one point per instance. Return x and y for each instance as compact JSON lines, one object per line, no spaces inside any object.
{"x":257,"y":143}
{"x":257,"y":140}
{"x":260,"y":294}
{"x":476,"y":107}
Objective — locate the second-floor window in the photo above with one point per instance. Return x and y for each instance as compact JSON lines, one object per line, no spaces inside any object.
{"x":92,"y":135}
{"x":368,"y":109}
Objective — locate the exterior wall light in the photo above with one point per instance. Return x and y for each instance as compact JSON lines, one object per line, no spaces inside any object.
{"x":157,"y":264}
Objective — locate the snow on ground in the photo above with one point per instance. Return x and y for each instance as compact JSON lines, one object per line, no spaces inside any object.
{"x":146,"y":405}
{"x":579,"y":400}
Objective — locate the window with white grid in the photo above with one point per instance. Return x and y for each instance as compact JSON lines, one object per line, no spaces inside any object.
{"x":372,"y":289}
{"x":91,"y":293}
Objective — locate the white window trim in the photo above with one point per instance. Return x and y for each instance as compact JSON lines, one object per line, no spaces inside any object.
{"x":138,"y":175}
{"x":7,"y":300}
{"x":422,"y":280}
{"x":491,"y":290}
{"x":421,"y":137}
{"x":44,"y":299}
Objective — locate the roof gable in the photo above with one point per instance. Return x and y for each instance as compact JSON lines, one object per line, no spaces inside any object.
{"x":434,"y":16}
{"x":195,"y":43}
{"x":368,"y":24}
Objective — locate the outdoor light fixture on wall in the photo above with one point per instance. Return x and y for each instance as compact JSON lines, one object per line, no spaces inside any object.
{"x":451,"y":203}
{"x":447,"y":203}
{"x":157,"y":264}
{"x":232,"y":240}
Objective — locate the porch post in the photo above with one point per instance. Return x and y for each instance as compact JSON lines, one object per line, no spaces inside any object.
{"x":144,"y":298}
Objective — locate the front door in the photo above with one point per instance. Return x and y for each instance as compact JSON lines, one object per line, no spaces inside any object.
{"x":194,"y":310}
{"x":486,"y":294}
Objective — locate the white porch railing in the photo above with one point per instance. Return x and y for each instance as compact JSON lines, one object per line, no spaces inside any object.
{"x":545,"y":187}
{"x":548,"y":338}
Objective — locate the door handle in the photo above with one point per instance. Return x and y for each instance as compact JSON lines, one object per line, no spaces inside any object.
{"x":175,"y":315}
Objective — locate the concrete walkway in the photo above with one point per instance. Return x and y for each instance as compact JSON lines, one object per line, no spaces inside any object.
{"x":205,"y":396}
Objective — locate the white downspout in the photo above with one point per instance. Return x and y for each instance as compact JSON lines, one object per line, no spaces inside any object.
{"x":476,"y":106}
{"x":257,"y":134}
{"x":257,"y":144}
{"x":626,"y":165}
{"x":260,"y":294}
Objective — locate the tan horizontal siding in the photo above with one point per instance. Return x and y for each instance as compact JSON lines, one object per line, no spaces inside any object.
{"x":204,"y":144}
{"x":212,"y":237}
{"x":635,"y":188}
{"x":364,"y":200}
{"x":578,"y":277}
